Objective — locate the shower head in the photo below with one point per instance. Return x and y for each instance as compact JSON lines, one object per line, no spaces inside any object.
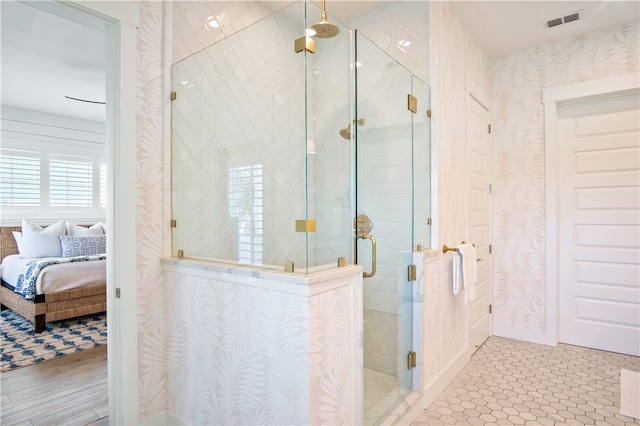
{"x":346,"y":132}
{"x":324,"y":29}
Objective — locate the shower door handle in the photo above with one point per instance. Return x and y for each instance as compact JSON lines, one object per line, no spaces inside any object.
{"x":373,"y":253}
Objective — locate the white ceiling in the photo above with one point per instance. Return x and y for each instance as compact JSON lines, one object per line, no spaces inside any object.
{"x":46,"y":57}
{"x":502,"y":27}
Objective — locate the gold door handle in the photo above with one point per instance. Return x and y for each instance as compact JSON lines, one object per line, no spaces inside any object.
{"x":373,"y":254}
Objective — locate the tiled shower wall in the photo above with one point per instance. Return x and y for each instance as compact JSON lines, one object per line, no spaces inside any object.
{"x":517,"y":112}
{"x":240,"y":104}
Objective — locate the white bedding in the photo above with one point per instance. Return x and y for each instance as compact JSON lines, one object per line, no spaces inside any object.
{"x":63,"y":276}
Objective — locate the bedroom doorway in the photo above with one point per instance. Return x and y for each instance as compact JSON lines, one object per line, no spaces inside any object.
{"x":53,"y":113}
{"x":118,"y":22}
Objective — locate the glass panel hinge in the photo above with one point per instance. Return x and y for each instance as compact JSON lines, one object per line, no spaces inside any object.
{"x":411,"y":360}
{"x":412,"y":103}
{"x":412,"y":273}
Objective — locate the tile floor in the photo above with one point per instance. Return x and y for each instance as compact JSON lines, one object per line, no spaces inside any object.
{"x":509,"y":382}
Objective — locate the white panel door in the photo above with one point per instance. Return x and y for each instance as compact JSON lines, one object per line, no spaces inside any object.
{"x":599,"y":214}
{"x":478,"y":222}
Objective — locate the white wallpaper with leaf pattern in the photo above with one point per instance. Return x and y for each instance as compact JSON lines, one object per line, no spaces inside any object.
{"x":518,"y":206}
{"x":459,"y":57}
{"x":152,"y":297}
{"x":243,"y":349}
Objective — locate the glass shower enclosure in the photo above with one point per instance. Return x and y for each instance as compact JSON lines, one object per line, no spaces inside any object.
{"x":292,"y":159}
{"x":392,"y":158}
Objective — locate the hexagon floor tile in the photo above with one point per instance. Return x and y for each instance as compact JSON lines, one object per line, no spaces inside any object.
{"x":509,"y":382}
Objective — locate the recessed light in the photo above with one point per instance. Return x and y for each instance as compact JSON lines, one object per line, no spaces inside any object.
{"x":212,"y":22}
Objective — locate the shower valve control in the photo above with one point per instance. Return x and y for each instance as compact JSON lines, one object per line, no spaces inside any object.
{"x":362,"y":225}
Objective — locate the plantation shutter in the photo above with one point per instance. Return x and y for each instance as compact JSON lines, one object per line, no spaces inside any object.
{"x":71,"y":183}
{"x":19,"y":181}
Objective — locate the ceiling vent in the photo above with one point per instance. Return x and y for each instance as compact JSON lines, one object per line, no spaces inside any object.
{"x":564,"y":20}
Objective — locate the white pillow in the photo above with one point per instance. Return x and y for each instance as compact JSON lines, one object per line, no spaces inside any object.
{"x":87,"y":245}
{"x":74,"y":230}
{"x":41,"y":242}
{"x":17,"y":235}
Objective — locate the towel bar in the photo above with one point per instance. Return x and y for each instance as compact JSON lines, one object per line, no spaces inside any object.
{"x":445,"y":248}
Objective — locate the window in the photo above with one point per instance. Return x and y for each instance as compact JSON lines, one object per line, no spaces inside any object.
{"x":40,"y":182}
{"x":71,"y":183}
{"x":19,"y":180}
{"x":245,"y":204}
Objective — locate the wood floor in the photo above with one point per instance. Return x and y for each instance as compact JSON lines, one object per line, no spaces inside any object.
{"x":70,"y":390}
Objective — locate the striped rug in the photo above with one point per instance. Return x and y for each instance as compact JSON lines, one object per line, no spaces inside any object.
{"x":20,"y":346}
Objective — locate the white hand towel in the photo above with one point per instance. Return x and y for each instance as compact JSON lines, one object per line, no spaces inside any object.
{"x":457,"y":272}
{"x":467,"y":253}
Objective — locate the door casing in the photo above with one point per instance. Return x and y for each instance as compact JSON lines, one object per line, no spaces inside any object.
{"x":552,"y":98}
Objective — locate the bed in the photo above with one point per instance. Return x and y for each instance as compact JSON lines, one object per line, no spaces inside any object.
{"x":62,"y":291}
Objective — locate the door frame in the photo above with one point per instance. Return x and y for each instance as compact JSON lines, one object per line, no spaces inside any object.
{"x":120,"y":20}
{"x":475,"y":94}
{"x":552,"y":98}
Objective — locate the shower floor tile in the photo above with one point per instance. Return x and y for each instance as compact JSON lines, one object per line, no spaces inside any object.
{"x":508,"y":382}
{"x":381,"y":393}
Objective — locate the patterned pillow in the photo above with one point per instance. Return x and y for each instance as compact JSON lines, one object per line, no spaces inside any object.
{"x":88,"y":245}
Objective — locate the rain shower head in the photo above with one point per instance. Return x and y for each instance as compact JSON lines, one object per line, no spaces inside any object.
{"x":325,"y":29}
{"x":346,"y":132}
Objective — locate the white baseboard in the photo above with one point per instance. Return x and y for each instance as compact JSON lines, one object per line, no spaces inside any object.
{"x":524,"y":334}
{"x":439,"y":384}
{"x":163,"y":418}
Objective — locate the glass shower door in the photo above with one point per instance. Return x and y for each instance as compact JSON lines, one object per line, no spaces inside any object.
{"x":382,"y":132}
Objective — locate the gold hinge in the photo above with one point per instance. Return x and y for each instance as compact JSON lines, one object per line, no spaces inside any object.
{"x":490,"y":248}
{"x":173,"y":96}
{"x":304,"y":43}
{"x":306,"y":225}
{"x":341,"y":262}
{"x":411,"y":360}
{"x":489,"y":128}
{"x":428,"y":221}
{"x":412,"y":273}
{"x":174,"y":223}
{"x":490,"y":309}
{"x":428,"y":113}
{"x":180,"y":254}
{"x":289,"y":266}
{"x":117,"y":292}
{"x":412,"y":103}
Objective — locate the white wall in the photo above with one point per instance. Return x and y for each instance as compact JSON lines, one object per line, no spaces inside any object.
{"x":51,"y":134}
{"x":458,"y":60}
{"x":518,"y":196}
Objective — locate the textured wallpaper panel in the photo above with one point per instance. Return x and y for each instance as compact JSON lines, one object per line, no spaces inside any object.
{"x":152,"y":302}
{"x":518,"y":199}
{"x":334,"y":382}
{"x":236,"y":354}
{"x":247,"y":350}
{"x":459,"y":58}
